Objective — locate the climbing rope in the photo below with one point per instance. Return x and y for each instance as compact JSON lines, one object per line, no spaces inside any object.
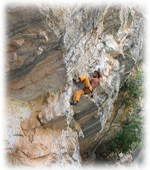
{"x":84,"y":156}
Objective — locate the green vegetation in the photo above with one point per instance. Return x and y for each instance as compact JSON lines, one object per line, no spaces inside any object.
{"x":131,"y":135}
{"x":133,"y":88}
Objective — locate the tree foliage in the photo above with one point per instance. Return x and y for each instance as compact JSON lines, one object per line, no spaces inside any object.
{"x":131,"y":135}
{"x":134,"y":88}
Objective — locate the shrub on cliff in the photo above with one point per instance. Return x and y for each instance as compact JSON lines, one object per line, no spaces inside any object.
{"x":131,"y":135}
{"x":133,"y":88}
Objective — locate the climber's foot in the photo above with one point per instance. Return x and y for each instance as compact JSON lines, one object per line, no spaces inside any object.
{"x":75,"y":81}
{"x":73,"y":103}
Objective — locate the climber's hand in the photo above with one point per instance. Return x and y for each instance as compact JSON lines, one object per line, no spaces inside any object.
{"x":92,"y":94}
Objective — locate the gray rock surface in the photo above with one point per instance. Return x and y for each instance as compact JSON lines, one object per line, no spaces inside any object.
{"x":46,"y":48}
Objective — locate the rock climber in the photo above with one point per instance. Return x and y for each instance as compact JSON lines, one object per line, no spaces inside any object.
{"x":90,"y":84}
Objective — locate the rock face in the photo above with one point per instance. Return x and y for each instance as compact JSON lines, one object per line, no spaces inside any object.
{"x":46,"y":48}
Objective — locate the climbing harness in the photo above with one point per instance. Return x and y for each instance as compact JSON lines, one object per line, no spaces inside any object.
{"x":84,"y":91}
{"x":87,"y":88}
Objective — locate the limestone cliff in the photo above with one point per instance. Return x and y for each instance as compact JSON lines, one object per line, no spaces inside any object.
{"x":47,"y":47}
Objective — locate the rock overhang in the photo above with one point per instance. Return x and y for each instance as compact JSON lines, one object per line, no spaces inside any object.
{"x":35,"y":63}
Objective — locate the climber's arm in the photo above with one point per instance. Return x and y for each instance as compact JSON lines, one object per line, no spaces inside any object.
{"x":101,"y":73}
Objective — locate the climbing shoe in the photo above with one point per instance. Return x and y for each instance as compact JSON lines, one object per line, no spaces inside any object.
{"x":75,"y":81}
{"x":73,"y":103}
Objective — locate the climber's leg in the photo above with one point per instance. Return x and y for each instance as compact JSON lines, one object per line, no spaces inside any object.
{"x":85,"y":80}
{"x":86,"y":90}
{"x":77,"y":95}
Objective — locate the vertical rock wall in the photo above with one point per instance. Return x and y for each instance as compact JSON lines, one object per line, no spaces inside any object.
{"x":46,"y":48}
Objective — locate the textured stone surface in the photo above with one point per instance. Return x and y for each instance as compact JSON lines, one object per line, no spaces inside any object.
{"x":34,"y":54}
{"x":46,"y":48}
{"x":29,"y":87}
